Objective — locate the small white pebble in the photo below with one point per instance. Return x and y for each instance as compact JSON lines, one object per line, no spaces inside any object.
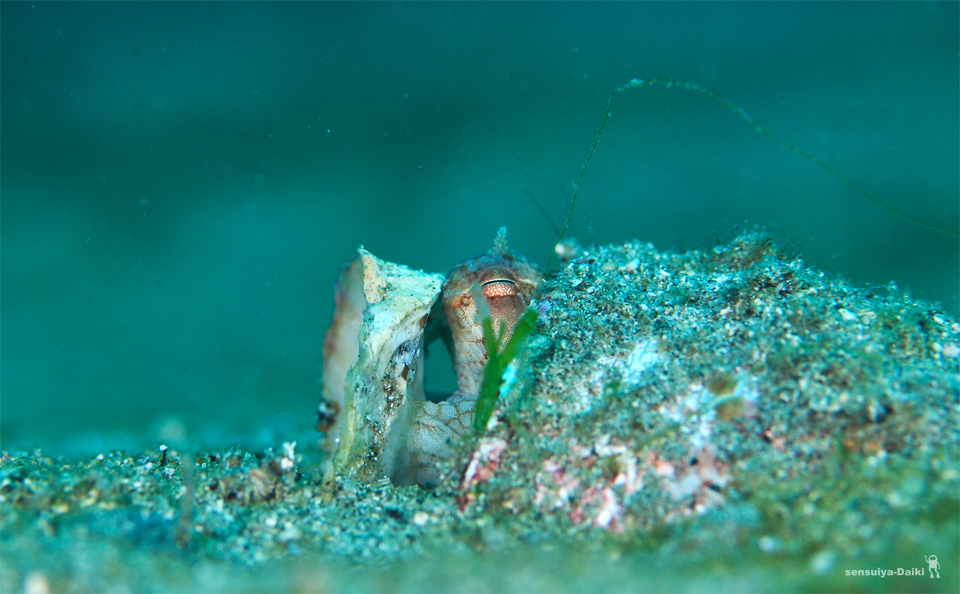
{"x":664,"y":469}
{"x":421,"y":518}
{"x":951,"y":350}
{"x":36,"y":583}
{"x":896,"y":499}
{"x":823,"y":562}
{"x":848,"y":315}
{"x":768,"y":544}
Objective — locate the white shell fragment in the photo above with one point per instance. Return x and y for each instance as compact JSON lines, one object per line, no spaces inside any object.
{"x":373,"y":364}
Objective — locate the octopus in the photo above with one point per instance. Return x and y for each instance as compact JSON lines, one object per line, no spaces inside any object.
{"x":378,"y":421}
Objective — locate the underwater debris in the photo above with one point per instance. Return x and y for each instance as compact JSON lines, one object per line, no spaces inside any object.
{"x":380,"y":424}
{"x":483,"y":463}
{"x":373,"y":363}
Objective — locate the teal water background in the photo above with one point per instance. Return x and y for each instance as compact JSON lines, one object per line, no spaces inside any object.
{"x":182,"y":181}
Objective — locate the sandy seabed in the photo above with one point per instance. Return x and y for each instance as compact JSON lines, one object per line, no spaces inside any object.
{"x":729,"y":419}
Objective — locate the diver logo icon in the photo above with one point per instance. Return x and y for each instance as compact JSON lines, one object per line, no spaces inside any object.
{"x":934,"y":565}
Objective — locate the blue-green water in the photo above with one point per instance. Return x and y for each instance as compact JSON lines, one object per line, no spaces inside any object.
{"x":181,"y":181}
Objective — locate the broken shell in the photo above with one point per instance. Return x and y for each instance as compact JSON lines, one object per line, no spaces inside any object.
{"x":341,"y":348}
{"x":370,"y":373}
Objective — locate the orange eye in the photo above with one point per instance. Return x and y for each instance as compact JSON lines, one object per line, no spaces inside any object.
{"x":500,"y":288}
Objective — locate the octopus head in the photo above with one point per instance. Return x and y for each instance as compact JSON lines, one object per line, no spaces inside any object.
{"x":504,"y":282}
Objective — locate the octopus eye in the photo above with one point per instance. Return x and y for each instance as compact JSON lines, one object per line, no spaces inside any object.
{"x":500,"y":288}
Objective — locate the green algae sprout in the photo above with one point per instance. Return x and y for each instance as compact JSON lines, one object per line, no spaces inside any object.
{"x":498,"y":361}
